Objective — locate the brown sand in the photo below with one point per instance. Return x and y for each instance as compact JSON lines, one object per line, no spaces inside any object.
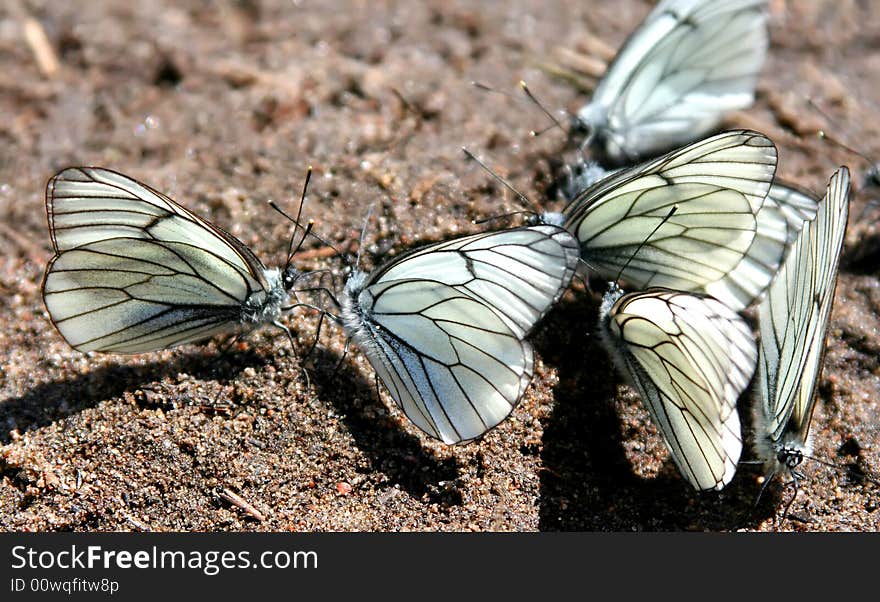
{"x":223,"y":107}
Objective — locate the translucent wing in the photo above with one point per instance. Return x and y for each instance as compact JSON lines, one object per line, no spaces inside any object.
{"x":689,"y":357}
{"x":134,"y":271}
{"x":724,"y":239}
{"x":87,"y":204}
{"x":514,"y":271}
{"x":687,"y":65}
{"x":795,"y":206}
{"x":793,"y":325}
{"x":444,"y":326}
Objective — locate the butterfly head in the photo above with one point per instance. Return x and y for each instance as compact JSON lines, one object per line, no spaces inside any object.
{"x":579,"y":176}
{"x":549,"y":218}
{"x":289,"y":276}
{"x":589,"y":120}
{"x":784,"y":455}
{"x":356,"y":282}
{"x":791,"y":458}
{"x":610,"y":297}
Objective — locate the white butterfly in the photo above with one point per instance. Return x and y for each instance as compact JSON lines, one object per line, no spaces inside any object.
{"x":688,"y":64}
{"x":689,"y":357}
{"x":793,"y":325}
{"x":444,"y":326}
{"x":725,"y":238}
{"x":134,"y":271}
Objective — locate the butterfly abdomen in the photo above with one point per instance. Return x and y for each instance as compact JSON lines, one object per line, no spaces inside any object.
{"x":355,"y":311}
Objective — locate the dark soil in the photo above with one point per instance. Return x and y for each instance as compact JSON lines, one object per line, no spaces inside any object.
{"x":223,"y":106}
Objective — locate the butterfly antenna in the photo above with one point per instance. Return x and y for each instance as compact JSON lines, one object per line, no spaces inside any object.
{"x":874,"y":170}
{"x":307,"y":232}
{"x":488,"y":88}
{"x":302,"y":201}
{"x":540,"y":105}
{"x":526,"y":200}
{"x":644,"y":242}
{"x":307,"y":229}
{"x":291,"y":252}
{"x":502,"y":216}
{"x":861,"y":474}
{"x":357,"y":261}
{"x":292,"y":220}
{"x":530,"y":97}
{"x":841,"y":144}
{"x":296,"y":221}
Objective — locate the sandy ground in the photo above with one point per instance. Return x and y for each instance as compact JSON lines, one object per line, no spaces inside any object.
{"x":222,"y":106}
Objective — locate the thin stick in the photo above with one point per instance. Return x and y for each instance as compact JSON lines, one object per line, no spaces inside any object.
{"x":239,"y":502}
{"x":38,"y":41}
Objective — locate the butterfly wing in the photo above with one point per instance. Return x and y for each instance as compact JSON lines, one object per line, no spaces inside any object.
{"x":134,"y":271}
{"x":689,"y":357}
{"x":444,"y":327}
{"x":679,"y":73}
{"x":793,"y":322}
{"x":795,"y":206}
{"x":520,"y":272}
{"x":723,"y":239}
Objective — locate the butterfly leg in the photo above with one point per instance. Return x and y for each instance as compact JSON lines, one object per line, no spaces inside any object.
{"x":341,"y":359}
{"x":376,"y":382}
{"x":323,"y":312}
{"x":228,"y":345}
{"x":767,"y":480}
{"x":795,"y":477}
{"x":307,"y":378}
{"x":287,"y":331}
{"x":317,"y":335}
{"x":321,"y":289}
